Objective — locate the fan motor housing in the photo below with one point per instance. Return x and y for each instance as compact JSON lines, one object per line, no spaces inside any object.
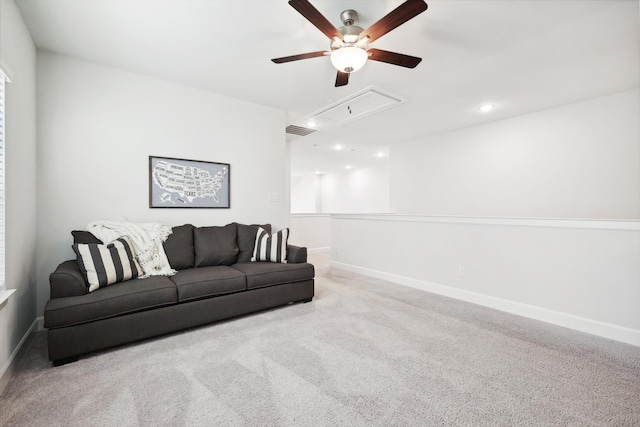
{"x":349,"y":17}
{"x":350,"y":32}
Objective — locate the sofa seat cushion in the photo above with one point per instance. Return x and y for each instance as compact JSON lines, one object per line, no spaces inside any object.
{"x":203,"y":282}
{"x":262,"y":274}
{"x":115,"y":300}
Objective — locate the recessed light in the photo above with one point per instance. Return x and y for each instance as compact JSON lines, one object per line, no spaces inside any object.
{"x":348,"y":167}
{"x":318,"y":172}
{"x":338,"y":147}
{"x":380,"y":154}
{"x":312,"y":123}
{"x":487,"y":107}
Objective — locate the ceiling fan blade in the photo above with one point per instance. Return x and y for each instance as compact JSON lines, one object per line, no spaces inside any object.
{"x":312,"y":14}
{"x":394,"y":58}
{"x":299,"y":57}
{"x":407,"y":10}
{"x":342,"y":79}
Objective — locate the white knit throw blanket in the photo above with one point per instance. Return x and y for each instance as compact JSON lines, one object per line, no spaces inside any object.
{"x":147,"y":241}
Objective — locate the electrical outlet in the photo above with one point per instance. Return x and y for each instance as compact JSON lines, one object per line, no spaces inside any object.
{"x":461,"y":271}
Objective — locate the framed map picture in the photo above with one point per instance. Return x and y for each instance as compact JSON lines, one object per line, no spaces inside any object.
{"x":182,"y":183}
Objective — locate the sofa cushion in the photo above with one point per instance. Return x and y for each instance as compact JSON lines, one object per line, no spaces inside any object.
{"x":262,"y":274}
{"x":104,"y":265}
{"x":204,"y":282}
{"x":271,"y":248}
{"x":112,"y":301}
{"x":247,"y":240}
{"x":179,"y":247}
{"x":215,"y":245}
{"x":83,"y":236}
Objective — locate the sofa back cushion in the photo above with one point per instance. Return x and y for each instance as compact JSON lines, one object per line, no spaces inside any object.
{"x":85,"y":237}
{"x":179,"y":247}
{"x":215,"y":245}
{"x":247,"y":240}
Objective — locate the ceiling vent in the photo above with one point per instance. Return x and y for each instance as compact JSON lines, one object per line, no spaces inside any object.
{"x":368,"y":101}
{"x":299,"y":130}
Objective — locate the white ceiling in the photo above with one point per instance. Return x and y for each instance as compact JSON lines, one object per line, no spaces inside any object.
{"x":521,"y":55}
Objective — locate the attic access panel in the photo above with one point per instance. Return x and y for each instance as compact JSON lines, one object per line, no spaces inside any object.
{"x":368,"y":101}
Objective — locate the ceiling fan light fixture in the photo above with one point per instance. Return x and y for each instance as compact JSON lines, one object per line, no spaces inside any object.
{"x":349,"y":44}
{"x":349,"y":59}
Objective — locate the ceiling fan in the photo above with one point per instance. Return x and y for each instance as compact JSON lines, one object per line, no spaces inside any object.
{"x":349,"y":44}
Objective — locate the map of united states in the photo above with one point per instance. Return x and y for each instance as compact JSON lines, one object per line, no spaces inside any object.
{"x":188,"y":182}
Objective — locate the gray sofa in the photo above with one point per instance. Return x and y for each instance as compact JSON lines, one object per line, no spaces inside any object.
{"x":216,"y":280}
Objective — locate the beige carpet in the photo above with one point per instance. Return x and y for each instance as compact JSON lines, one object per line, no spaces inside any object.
{"x":364,"y":352}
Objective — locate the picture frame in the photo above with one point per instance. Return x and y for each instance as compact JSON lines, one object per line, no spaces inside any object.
{"x":185,"y":183}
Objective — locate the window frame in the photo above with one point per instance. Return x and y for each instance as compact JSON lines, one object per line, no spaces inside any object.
{"x":3,"y":80}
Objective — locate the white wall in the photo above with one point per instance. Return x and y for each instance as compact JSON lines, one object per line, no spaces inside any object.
{"x":18,"y":56}
{"x":305,"y":194}
{"x":355,"y":191}
{"x":574,"y":161}
{"x":312,"y":231}
{"x":350,"y":191}
{"x":97,"y":127}
{"x":583,"y":275}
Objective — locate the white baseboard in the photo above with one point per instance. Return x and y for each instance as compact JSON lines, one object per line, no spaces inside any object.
{"x":590,"y":326}
{"x":8,"y":368}
{"x":40,"y":321}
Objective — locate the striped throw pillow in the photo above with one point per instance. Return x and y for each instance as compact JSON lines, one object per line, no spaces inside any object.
{"x":104,"y":265}
{"x":271,"y":248}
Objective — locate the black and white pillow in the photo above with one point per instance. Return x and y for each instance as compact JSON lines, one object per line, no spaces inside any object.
{"x":104,"y":265}
{"x":271,"y":248}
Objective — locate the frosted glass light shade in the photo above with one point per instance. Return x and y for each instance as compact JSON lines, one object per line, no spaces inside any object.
{"x":349,"y":58}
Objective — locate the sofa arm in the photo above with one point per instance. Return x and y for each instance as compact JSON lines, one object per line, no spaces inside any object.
{"x":296,"y":254}
{"x":67,"y":281}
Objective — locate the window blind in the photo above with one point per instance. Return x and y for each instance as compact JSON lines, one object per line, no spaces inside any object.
{"x":2,"y":193}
